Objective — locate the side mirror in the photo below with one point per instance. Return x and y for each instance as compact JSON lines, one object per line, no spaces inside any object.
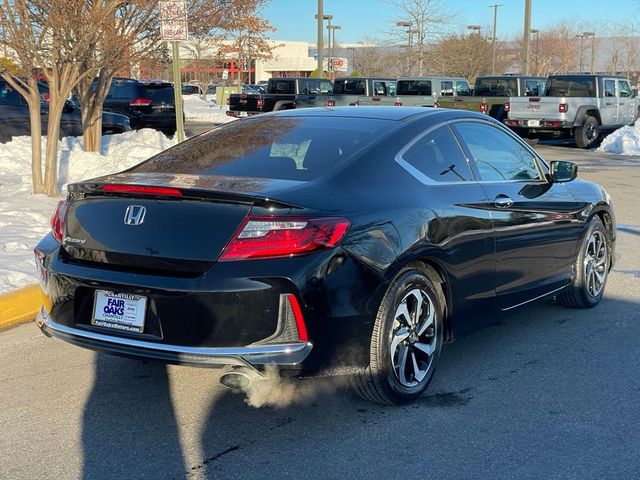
{"x":561,"y":171}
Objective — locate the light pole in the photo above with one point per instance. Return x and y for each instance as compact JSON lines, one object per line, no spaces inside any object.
{"x":320,"y":19}
{"x":593,"y":48}
{"x":536,"y":32}
{"x":321,"y":39}
{"x":408,"y":51}
{"x":527,"y":31}
{"x":493,"y":40}
{"x":582,"y":37}
{"x":332,"y":32}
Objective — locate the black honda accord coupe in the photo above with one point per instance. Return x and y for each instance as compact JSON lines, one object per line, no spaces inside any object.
{"x":316,"y":238}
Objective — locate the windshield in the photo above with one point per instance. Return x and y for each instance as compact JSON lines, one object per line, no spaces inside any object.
{"x":273,"y":147}
{"x":496,"y":87}
{"x":571,"y":87}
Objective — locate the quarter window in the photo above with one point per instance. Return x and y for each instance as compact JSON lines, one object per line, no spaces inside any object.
{"x":446,"y":89}
{"x":498,"y":157}
{"x":438,"y":156}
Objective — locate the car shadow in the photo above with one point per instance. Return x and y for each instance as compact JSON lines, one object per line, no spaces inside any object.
{"x":130,"y":426}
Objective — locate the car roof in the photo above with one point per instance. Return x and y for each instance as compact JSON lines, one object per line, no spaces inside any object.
{"x":379,"y":113}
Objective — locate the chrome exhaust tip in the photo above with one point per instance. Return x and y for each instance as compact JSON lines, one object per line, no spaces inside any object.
{"x":237,"y":380}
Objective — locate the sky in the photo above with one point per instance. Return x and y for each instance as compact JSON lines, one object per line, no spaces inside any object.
{"x":294,"y":19}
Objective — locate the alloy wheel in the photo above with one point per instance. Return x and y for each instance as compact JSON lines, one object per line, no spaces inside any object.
{"x":413,"y":342}
{"x":595,"y":263}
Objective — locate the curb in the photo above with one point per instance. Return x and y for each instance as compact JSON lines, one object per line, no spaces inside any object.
{"x":20,"y":306}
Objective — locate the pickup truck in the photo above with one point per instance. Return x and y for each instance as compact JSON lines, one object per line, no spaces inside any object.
{"x":491,"y":94}
{"x":282,"y":94}
{"x":421,"y":91}
{"x":581,"y":106}
{"x":350,"y":90}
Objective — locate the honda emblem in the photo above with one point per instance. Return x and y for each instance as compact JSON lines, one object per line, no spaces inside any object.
{"x":134,"y":215}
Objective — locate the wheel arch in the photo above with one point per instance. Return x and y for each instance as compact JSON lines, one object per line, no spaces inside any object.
{"x":585,"y":111}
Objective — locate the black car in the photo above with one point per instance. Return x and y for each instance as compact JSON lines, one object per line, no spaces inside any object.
{"x":358,"y":236}
{"x":14,"y":116}
{"x":148,"y":104}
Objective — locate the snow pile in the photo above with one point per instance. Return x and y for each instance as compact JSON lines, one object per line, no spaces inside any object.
{"x":24,"y":217}
{"x":624,"y":141}
{"x":198,"y":110}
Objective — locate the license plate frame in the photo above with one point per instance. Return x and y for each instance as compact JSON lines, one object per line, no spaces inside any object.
{"x":533,"y":123}
{"x":106,"y":314}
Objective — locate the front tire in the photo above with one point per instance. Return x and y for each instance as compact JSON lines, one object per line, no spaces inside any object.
{"x":406,"y":341}
{"x":587,"y":134}
{"x":591,"y":269}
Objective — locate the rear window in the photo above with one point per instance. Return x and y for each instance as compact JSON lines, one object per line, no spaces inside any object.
{"x":123,"y":89}
{"x":159,"y":93}
{"x":571,"y":87}
{"x":281,"y":86}
{"x":273,"y":147}
{"x":496,"y":87}
{"x":413,"y":87}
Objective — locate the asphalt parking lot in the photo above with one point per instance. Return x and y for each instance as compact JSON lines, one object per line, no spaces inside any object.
{"x":550,"y":392}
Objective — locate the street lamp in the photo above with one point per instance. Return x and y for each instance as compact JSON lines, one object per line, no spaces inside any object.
{"x":328,"y":18}
{"x":536,"y":32}
{"x":407,"y":25}
{"x":582,"y":37}
{"x":593,"y":48}
{"x":332,"y":32}
{"x":494,"y":39}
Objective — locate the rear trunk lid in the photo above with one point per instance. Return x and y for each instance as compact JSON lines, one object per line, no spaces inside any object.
{"x":538,"y":108}
{"x":177,"y":231}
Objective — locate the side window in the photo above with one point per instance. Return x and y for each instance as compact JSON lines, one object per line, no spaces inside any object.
{"x":446,"y":89}
{"x":438,"y":156}
{"x":379,"y":89}
{"x":609,"y":88}
{"x":9,"y":96}
{"x":624,"y":89}
{"x":392,"y":88}
{"x":498,"y":157}
{"x":462,"y":89}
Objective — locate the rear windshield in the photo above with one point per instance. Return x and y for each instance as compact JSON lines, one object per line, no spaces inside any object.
{"x":281,"y":86}
{"x":159,"y":93}
{"x":269,"y":147}
{"x":413,"y":87}
{"x":496,"y":87}
{"x":123,"y":89}
{"x":571,"y":87}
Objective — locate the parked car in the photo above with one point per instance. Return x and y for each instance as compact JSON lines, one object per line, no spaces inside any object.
{"x":149,"y":104}
{"x":352,"y":90}
{"x":421,"y":91}
{"x":15,"y":121}
{"x":491,"y":94}
{"x":282,"y":94}
{"x":579,"y":106}
{"x":317,"y":238}
{"x":190,"y":89}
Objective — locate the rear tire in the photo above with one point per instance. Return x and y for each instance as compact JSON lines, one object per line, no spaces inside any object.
{"x":587,"y":134}
{"x":406,"y":341}
{"x":591,"y":269}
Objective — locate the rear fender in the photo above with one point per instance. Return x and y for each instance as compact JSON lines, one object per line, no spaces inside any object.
{"x":582,"y":114}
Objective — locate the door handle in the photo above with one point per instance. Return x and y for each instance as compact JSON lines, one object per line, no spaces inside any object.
{"x":502,"y":201}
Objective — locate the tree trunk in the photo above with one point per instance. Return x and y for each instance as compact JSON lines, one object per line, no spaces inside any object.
{"x":92,"y":125}
{"x":92,"y":93}
{"x":36,"y":137}
{"x":56,"y":105}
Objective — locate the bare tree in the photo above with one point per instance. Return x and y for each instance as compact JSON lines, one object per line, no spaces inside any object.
{"x":373,"y":59}
{"x":129,"y":34}
{"x":428,"y":18}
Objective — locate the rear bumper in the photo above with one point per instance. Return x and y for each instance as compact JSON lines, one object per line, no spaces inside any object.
{"x":289,"y":354}
{"x":240,"y":114}
{"x":541,"y":125}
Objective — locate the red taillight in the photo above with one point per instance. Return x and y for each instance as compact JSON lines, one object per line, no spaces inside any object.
{"x":397,"y":104}
{"x":46,"y":97}
{"x":268,"y":237}
{"x":507,"y":107}
{"x":260,"y":102}
{"x":331,"y":103}
{"x":142,"y":189}
{"x":511,"y":123}
{"x":141,"y":102}
{"x":563,"y":107}
{"x":484,"y":107}
{"x":357,"y":104}
{"x":57,"y":220}
{"x":297,"y":314}
{"x":436,"y":104}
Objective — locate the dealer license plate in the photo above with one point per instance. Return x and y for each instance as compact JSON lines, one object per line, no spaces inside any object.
{"x":120,"y":311}
{"x":533,"y":123}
